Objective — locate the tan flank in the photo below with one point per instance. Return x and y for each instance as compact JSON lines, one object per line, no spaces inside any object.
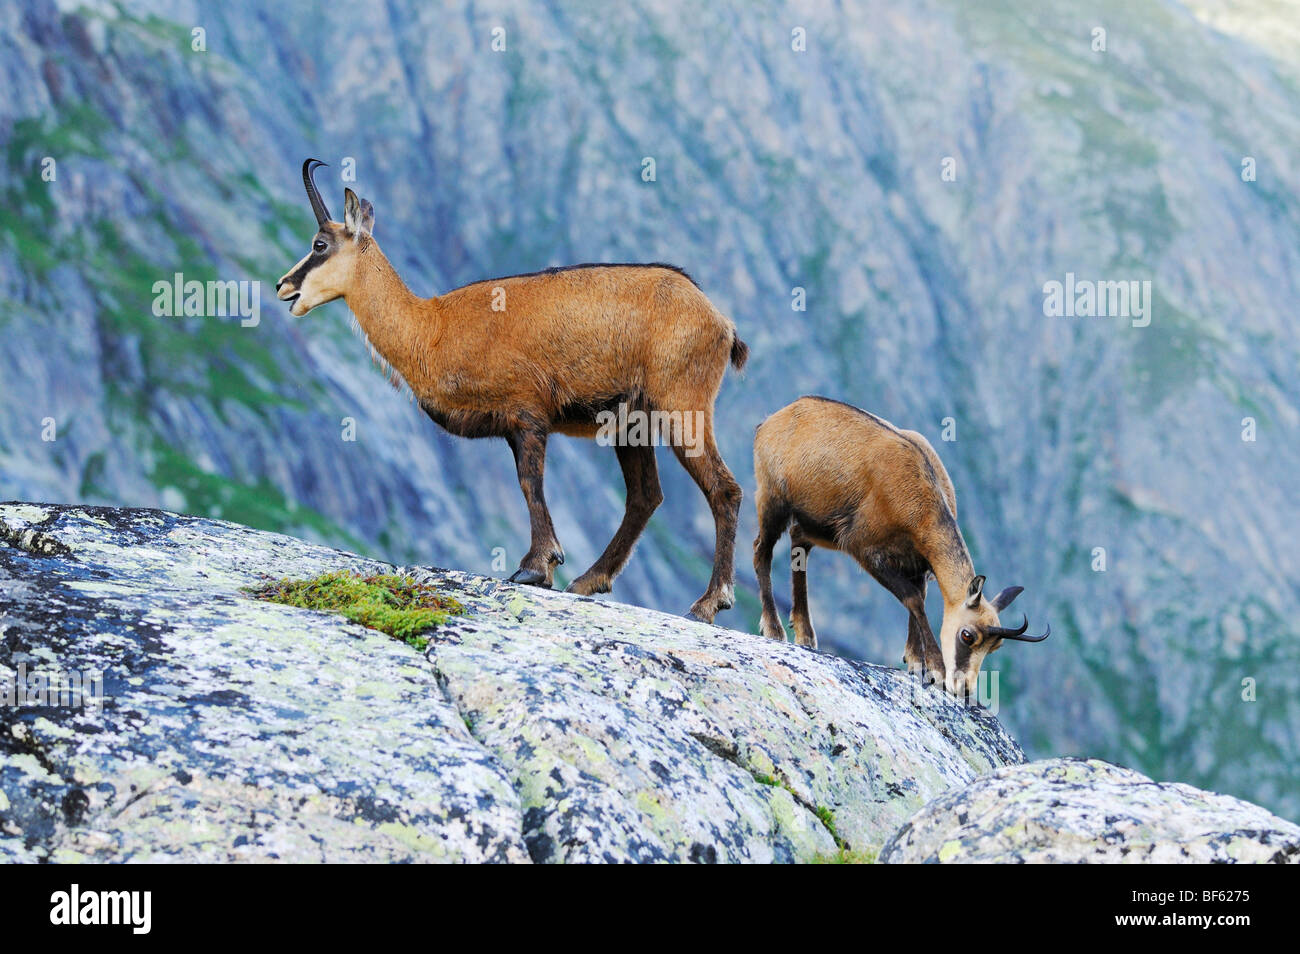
{"x":843,"y":479}
{"x":523,"y":357}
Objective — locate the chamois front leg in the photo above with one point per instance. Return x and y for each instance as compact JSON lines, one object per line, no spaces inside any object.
{"x":921,"y":655}
{"x":641,"y":475}
{"x":538,"y":565}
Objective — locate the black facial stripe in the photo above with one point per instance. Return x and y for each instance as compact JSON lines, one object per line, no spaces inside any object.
{"x":315,"y":258}
{"x":963,"y":655}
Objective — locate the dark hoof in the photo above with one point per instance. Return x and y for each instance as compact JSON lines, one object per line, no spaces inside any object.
{"x":574,"y":588}
{"x":698,"y":619}
{"x":530,"y":578}
{"x":926,"y":676}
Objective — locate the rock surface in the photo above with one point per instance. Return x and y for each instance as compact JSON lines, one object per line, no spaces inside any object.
{"x":1072,"y":811}
{"x":230,"y":729}
{"x":539,"y":726}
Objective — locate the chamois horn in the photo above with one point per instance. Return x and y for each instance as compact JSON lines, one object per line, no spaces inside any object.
{"x":1001,"y":632}
{"x":317,"y":203}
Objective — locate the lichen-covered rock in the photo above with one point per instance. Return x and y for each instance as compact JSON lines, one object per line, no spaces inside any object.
{"x":633,"y":735}
{"x":539,"y":726}
{"x":230,"y":729}
{"x":1072,"y":811}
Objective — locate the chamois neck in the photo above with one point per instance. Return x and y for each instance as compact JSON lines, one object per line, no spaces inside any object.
{"x":388,"y":312}
{"x":952,"y":566}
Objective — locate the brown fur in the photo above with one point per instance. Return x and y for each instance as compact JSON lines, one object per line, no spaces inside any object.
{"x":568,"y":344}
{"x":843,"y":479}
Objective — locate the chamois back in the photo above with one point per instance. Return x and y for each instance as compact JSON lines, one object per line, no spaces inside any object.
{"x":561,"y":345}
{"x":849,"y":474}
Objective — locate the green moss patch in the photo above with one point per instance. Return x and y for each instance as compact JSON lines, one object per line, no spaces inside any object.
{"x":392,"y":604}
{"x":847,"y":857}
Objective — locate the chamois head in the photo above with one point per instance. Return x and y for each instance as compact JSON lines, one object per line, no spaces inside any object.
{"x":972,"y":630}
{"x":326,"y":271}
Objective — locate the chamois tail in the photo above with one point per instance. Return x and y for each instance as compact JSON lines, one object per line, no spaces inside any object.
{"x":739,"y":352}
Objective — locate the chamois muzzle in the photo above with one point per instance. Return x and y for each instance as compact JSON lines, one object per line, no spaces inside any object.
{"x":1002,"y":632}
{"x":313,"y":195}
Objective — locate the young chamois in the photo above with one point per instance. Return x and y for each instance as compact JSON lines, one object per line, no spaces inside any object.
{"x":841,"y":478}
{"x":557,"y":351}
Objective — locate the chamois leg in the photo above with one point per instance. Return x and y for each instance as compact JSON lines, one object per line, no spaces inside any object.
{"x":641,"y":475}
{"x":723,"y":493}
{"x":921,"y":655}
{"x":545,"y":553}
{"x":773,"y":518}
{"x":800,"y":549}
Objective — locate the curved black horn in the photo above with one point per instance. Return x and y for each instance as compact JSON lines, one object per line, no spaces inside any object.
{"x":317,"y":203}
{"x":1001,"y":632}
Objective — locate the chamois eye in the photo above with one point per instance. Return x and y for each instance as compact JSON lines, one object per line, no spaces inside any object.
{"x":967,"y":637}
{"x":319,"y":245}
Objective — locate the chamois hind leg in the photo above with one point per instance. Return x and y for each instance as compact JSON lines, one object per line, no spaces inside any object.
{"x":545,"y":553}
{"x":773,"y":518}
{"x":800,"y":549}
{"x":705,"y":465}
{"x":641,"y":475}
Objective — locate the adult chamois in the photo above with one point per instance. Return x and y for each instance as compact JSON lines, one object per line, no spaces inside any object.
{"x":563,"y":351}
{"x":841,"y":478}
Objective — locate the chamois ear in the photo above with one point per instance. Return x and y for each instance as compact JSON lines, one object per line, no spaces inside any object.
{"x":975,"y":592}
{"x":1003,"y":599}
{"x":358,"y":214}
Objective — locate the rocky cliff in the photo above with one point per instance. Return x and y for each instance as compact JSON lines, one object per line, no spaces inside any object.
{"x":211,"y":726}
